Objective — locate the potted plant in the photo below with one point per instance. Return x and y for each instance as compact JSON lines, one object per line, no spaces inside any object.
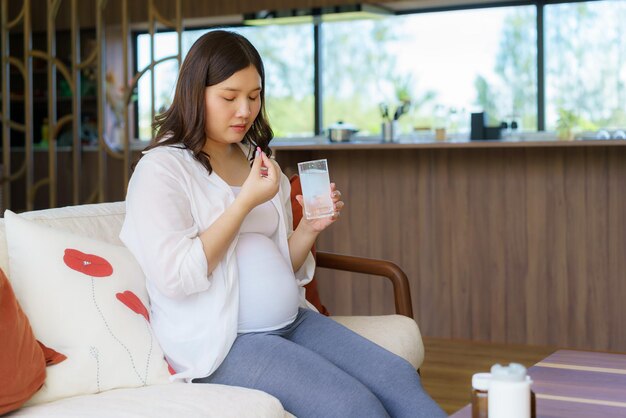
{"x":565,"y":124}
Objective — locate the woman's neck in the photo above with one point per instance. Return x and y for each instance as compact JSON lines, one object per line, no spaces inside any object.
{"x":220,"y":151}
{"x":229,"y":162}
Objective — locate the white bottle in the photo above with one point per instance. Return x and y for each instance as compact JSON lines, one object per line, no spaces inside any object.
{"x":509,"y":392}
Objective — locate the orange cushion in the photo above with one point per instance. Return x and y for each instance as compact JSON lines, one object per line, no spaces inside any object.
{"x":312,"y":294}
{"x":52,"y":357}
{"x":22,"y":362}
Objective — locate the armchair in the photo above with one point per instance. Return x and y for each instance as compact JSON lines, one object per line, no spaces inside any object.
{"x":397,"y":333}
{"x":401,"y":290}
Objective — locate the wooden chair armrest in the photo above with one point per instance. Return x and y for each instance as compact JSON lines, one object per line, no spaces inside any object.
{"x":401,"y":290}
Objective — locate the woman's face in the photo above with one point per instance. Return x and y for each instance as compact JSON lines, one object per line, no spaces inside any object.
{"x":232,"y":106}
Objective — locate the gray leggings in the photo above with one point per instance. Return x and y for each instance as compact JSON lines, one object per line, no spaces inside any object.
{"x":319,"y":368}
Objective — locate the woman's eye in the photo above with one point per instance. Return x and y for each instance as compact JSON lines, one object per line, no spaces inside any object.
{"x":229,"y":99}
{"x":253,"y":98}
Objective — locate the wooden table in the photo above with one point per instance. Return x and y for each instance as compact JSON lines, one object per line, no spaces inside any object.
{"x":576,"y":384}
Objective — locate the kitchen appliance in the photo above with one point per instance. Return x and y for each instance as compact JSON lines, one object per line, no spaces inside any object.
{"x":341,"y":132}
{"x":479,"y":129}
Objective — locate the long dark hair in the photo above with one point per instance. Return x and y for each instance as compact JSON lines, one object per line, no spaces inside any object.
{"x":213,"y":58}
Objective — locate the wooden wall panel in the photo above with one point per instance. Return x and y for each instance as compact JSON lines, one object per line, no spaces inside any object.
{"x":518,"y":245}
{"x":616,"y":185}
{"x":597,"y":248}
{"x":575,"y":201}
{"x":115,"y":186}
{"x":191,"y":9}
{"x":460,"y":249}
{"x":514,"y":206}
{"x":194,"y":9}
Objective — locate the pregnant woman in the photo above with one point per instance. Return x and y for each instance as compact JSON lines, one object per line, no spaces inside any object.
{"x":208,"y":218}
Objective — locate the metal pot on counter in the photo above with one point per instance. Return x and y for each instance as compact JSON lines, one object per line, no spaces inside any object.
{"x":341,"y":132}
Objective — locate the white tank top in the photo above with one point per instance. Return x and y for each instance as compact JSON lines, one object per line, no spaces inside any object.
{"x":268,"y":292}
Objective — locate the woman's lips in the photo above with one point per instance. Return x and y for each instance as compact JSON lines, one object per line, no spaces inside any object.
{"x":238,"y":128}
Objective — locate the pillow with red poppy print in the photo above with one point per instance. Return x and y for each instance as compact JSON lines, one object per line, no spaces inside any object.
{"x":87,"y":299}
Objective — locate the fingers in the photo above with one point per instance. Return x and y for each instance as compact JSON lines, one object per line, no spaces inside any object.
{"x":258,"y":160}
{"x":300,"y":200}
{"x":336,"y":215}
{"x":338,"y":206}
{"x":261,"y":164}
{"x":334,"y":193}
{"x":336,"y":198}
{"x":266,"y":160}
{"x":269,"y":165}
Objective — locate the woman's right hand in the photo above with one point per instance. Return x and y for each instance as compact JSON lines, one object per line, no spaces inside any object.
{"x":262,"y":182}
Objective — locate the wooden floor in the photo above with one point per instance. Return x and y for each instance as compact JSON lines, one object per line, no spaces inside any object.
{"x":449,"y":365}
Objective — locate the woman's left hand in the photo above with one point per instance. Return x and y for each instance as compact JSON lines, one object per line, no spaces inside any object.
{"x":318,"y":225}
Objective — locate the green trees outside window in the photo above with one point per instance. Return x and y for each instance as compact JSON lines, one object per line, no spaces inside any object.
{"x":586,"y":64}
{"x":448,"y":63}
{"x":287,"y":53}
{"x":445,"y":64}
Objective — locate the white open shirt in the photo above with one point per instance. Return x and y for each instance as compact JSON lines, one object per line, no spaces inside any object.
{"x":171,"y":199}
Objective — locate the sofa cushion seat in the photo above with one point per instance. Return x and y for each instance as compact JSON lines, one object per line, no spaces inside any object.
{"x":396,"y":333}
{"x":163,"y":401}
{"x":103,"y":221}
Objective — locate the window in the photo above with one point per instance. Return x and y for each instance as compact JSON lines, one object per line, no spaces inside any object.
{"x":585,"y":64}
{"x":165,"y":73}
{"x":287,"y":53}
{"x":447,"y":63}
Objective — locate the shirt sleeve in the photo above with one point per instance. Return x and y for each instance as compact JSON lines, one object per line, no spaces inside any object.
{"x":160,"y":231}
{"x":305,"y":273}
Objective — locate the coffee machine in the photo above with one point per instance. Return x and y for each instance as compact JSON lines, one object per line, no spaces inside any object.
{"x":480,"y":131}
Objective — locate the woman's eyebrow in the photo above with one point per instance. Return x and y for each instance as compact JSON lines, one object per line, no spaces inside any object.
{"x":234,"y":89}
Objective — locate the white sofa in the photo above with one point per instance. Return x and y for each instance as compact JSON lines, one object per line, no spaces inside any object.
{"x":397,"y":333}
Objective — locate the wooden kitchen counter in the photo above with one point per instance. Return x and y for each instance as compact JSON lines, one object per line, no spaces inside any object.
{"x":323,"y":144}
{"x":516,"y":242}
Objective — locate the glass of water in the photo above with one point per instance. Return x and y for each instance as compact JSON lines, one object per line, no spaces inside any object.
{"x":318,"y":202}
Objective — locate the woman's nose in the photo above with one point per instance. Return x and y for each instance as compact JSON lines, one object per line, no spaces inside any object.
{"x":243,"y":111}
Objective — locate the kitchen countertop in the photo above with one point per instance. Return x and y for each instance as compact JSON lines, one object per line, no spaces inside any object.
{"x":360,"y":143}
{"x":322,"y":143}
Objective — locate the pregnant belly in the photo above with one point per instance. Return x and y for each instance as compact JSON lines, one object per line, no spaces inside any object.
{"x":268,"y":292}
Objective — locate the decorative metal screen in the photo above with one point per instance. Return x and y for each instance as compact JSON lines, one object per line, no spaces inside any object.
{"x":77,"y":90}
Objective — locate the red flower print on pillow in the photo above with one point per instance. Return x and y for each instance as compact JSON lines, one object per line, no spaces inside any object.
{"x":96,"y":266}
{"x":131,"y":300}
{"x":135,"y":304}
{"x":88,"y":264}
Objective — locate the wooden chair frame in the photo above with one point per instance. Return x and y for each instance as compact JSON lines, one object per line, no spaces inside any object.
{"x":382,"y":268}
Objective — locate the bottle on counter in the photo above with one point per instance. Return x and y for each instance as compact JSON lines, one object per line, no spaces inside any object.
{"x":515,"y":128}
{"x":509,"y":392}
{"x":505,"y":132}
{"x":480,"y":395}
{"x":464,"y":123}
{"x":513,"y":131}
{"x":440,"y":123}
{"x":503,"y":393}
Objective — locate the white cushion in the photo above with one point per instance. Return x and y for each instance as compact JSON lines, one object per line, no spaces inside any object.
{"x":102,"y":221}
{"x":163,"y":401}
{"x":396,"y":333}
{"x":91,"y":307}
